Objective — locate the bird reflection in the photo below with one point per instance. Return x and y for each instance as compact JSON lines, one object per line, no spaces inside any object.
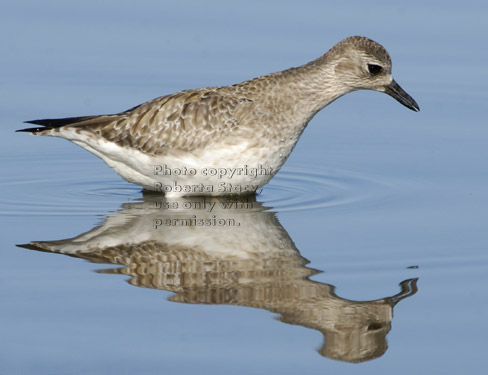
{"x":231,"y":251}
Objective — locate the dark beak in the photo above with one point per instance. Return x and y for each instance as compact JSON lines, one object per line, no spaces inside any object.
{"x":395,"y":91}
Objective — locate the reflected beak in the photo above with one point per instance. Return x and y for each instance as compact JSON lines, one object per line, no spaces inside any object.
{"x":395,"y":91}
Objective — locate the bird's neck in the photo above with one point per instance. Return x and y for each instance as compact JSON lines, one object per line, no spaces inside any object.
{"x":307,"y":88}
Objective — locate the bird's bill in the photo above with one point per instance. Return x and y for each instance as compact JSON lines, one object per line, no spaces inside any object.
{"x":395,"y":91}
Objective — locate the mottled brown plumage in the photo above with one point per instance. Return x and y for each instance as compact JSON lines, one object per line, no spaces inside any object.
{"x":184,"y":121}
{"x":256,"y":122}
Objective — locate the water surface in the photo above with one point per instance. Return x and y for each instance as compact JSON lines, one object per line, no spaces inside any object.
{"x":365,"y":254}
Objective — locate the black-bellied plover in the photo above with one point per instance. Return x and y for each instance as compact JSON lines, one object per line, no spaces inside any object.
{"x":230,"y":139}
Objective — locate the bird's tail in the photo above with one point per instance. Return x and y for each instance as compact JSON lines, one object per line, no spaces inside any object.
{"x":49,"y":124}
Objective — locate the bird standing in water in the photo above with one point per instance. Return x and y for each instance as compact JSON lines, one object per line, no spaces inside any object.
{"x":230,"y":139}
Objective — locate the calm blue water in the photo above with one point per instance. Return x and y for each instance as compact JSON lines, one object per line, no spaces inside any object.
{"x":366,"y":254}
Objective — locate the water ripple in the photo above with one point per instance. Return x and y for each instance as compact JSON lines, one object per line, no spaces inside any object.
{"x":70,"y":187}
{"x":296,"y":188}
{"x":80,"y":187}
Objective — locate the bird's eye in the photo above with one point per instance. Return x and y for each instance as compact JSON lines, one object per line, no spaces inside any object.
{"x":374,"y":69}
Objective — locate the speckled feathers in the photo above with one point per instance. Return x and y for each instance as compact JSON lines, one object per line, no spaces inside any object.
{"x":256,"y":122}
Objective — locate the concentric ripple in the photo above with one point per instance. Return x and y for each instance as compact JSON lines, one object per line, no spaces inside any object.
{"x":296,"y":188}
{"x":68,"y":187}
{"x":87,"y":187}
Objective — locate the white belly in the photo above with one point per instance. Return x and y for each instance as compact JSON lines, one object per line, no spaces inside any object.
{"x":223,"y":170}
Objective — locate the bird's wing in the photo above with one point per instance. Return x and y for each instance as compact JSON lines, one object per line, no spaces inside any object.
{"x":183,"y":121}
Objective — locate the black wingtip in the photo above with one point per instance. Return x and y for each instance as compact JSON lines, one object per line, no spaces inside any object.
{"x":48,"y":124}
{"x":59,"y":122}
{"x":43,"y":122}
{"x":55,"y":123}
